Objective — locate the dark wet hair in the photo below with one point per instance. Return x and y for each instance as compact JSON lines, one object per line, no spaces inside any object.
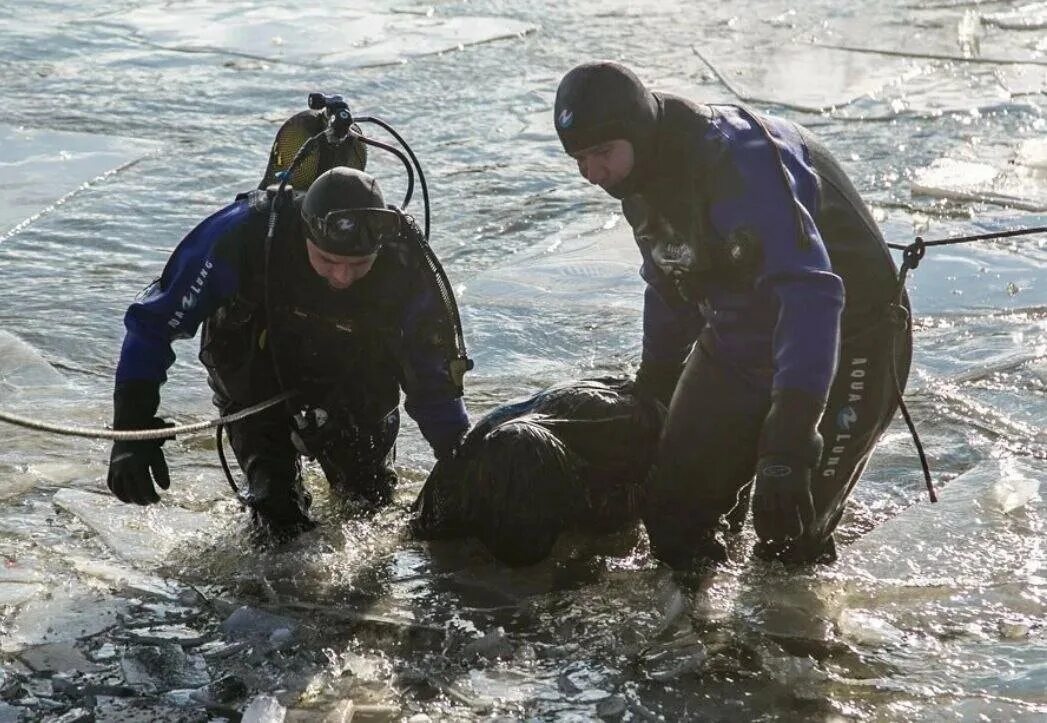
{"x":572,"y":456}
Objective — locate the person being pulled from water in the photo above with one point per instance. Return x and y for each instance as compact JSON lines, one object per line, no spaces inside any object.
{"x":772,"y":316}
{"x":572,"y":457}
{"x":351,"y":312}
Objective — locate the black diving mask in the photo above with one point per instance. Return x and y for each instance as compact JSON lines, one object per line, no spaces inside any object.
{"x":353,"y":232}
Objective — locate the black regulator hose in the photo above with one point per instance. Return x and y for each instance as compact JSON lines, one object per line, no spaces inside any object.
{"x":414,"y":159}
{"x":399,"y":154}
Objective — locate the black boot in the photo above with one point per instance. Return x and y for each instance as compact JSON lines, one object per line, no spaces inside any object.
{"x":801,"y":552}
{"x":687,"y":550}
{"x":684,"y":529}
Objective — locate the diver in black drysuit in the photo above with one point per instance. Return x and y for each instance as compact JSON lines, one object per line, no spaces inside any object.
{"x":571,"y":457}
{"x":767,"y":273}
{"x":353,"y":311}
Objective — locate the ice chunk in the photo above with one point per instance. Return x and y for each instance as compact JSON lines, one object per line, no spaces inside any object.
{"x":135,"y":534}
{"x":16,"y":570}
{"x":252,"y":623}
{"x":965,"y":536}
{"x":65,"y":616}
{"x":125,"y":578}
{"x":946,"y":171}
{"x":1032,"y":16}
{"x":981,"y":182}
{"x":492,"y":646}
{"x":1033,"y":154}
{"x":16,"y":482}
{"x":23,"y":366}
{"x":56,"y":657}
{"x":264,"y":709}
{"x":290,"y":33}
{"x":44,"y":167}
{"x":22,"y":479}
{"x":1014,"y":492}
{"x":163,"y":667}
{"x":1023,"y":79}
{"x":867,"y":629}
{"x":16,"y":593}
{"x":342,"y":712}
{"x":808,"y":77}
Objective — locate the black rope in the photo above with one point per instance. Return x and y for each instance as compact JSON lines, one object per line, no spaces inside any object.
{"x":912,"y":255}
{"x":915,"y":438}
{"x":225,"y":466}
{"x":966,"y":239}
{"x":907,"y":321}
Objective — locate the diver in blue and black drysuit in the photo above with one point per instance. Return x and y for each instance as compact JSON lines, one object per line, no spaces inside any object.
{"x":352,"y":313}
{"x":772,"y":315}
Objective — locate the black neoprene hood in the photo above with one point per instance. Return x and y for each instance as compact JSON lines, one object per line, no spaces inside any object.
{"x":344,"y":211}
{"x":603,"y":101}
{"x":341,"y":189}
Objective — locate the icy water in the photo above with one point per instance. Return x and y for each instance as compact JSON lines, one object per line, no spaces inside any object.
{"x":121,"y":129}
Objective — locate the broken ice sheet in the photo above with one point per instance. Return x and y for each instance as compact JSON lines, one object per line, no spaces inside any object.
{"x":287,"y":33}
{"x":978,"y":181}
{"x":15,"y":593}
{"x":68,"y":614}
{"x":137,"y":535}
{"x":1023,"y":79}
{"x":1029,"y":16}
{"x":123,"y":578}
{"x":973,"y":509}
{"x":22,"y":366}
{"x":807,"y":76}
{"x":42,"y":167}
{"x":57,"y":657}
{"x":20,"y":478}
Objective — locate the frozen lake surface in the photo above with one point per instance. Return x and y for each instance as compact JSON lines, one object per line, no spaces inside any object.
{"x":123,"y":128}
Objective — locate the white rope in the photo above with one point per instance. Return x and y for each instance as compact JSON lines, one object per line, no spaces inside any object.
{"x":142,"y":434}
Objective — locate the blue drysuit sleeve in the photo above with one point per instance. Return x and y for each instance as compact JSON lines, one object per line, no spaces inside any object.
{"x":764,"y":202}
{"x":433,"y":398}
{"x":199,"y":276}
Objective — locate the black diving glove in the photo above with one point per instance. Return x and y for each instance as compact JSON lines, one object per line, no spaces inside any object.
{"x":790,"y":447}
{"x":136,"y":466}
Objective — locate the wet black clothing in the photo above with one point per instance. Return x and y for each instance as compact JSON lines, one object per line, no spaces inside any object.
{"x":356,"y":459}
{"x":573,"y":456}
{"x":710,"y":445}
